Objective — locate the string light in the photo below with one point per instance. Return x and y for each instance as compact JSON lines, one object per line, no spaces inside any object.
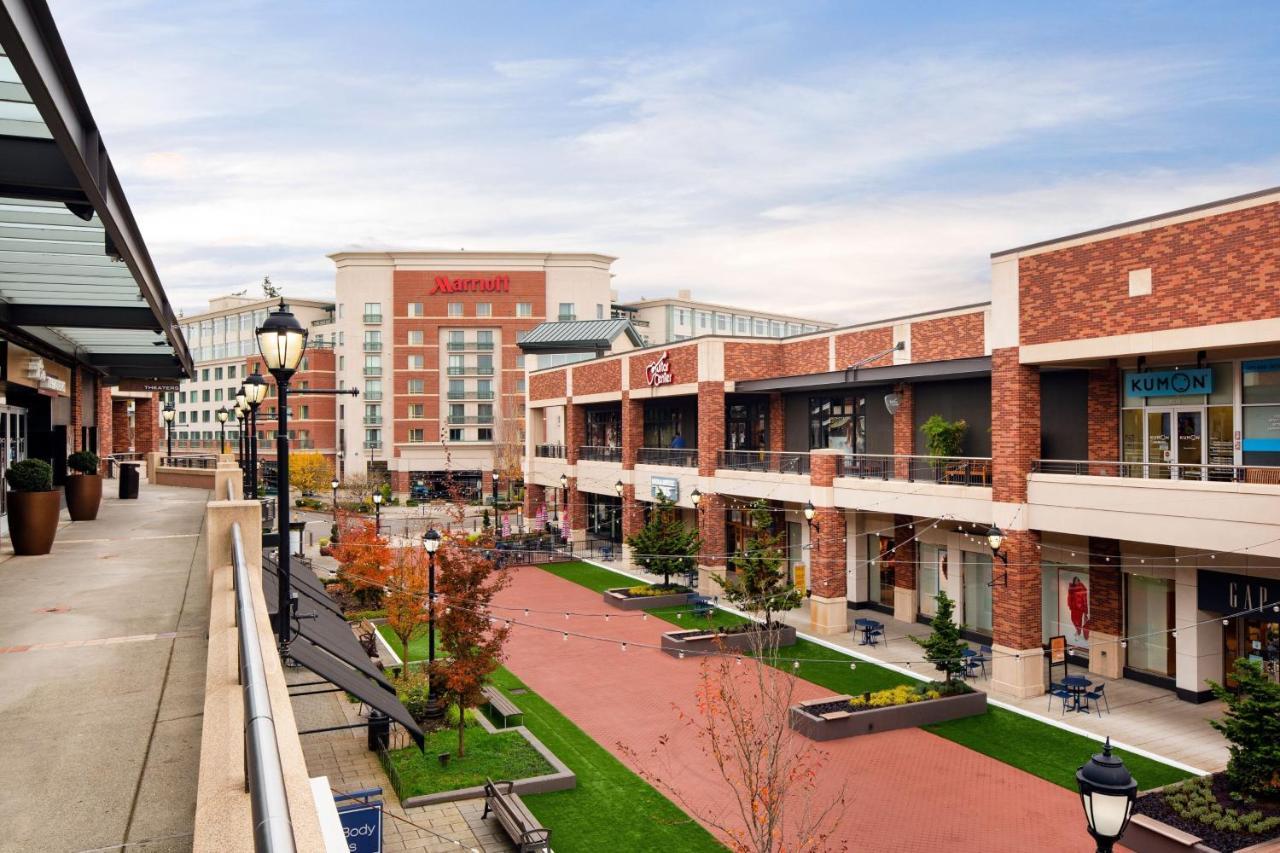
{"x":566,"y":636}
{"x":681,"y":655}
{"x":624,"y":647}
{"x":795,"y":664}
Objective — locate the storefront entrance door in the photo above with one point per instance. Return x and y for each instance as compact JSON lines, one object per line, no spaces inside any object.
{"x":1190,"y":424}
{"x":13,"y":445}
{"x":1254,"y":639}
{"x":1175,"y":438}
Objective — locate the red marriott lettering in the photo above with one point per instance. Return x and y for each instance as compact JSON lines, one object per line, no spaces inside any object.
{"x":496,"y":284}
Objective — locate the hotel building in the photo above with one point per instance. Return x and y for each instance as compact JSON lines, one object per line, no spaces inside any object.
{"x":665,"y":320}
{"x":1121,"y":395}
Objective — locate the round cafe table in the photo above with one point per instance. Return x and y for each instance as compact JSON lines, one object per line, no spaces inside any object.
{"x":1077,"y":686}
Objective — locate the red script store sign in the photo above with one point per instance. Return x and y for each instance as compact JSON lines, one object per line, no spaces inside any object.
{"x":449,"y":284}
{"x":659,"y":372}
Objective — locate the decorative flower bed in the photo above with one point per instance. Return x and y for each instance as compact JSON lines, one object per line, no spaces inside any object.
{"x":902,"y":707}
{"x":740,"y":638}
{"x":1207,"y":809}
{"x":647,"y":596}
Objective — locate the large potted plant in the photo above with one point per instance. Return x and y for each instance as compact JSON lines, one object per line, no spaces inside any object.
{"x":84,"y":486}
{"x":33,"y":507}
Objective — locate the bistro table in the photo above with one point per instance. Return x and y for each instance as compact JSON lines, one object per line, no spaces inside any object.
{"x":1077,"y":686}
{"x":870,"y":629}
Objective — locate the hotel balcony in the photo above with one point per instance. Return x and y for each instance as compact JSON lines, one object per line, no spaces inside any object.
{"x":1210,"y":507}
{"x":549,"y":451}
{"x":372,"y":371}
{"x":373,"y":346}
{"x":373,"y":319}
{"x":469,"y":370}
{"x":470,"y":420}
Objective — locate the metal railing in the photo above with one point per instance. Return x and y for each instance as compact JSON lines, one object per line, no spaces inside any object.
{"x":549,"y":451}
{"x":471,"y":420}
{"x":373,"y":445}
{"x":373,"y":318}
{"x":592,"y":453}
{"x":1263,"y":474}
{"x":264,"y":774}
{"x":944,"y":470}
{"x":373,"y":346}
{"x":469,"y":370}
{"x":764,"y":461}
{"x":372,"y":421}
{"x":372,"y":371}
{"x":189,"y":461}
{"x":373,"y":395}
{"x":679,"y":457}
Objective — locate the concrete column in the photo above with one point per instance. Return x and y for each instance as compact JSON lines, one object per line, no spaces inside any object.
{"x":711,"y":530}
{"x":632,"y":429}
{"x":903,"y":563}
{"x":828,"y":600}
{"x":1106,"y":619}
{"x":710,"y":426}
{"x":1018,"y":666}
{"x":1104,"y":417}
{"x":904,"y":431}
{"x":1198,"y":647}
{"x":219,"y":518}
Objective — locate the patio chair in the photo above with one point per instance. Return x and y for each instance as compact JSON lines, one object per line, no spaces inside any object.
{"x":606,"y":552}
{"x":1099,"y":692}
{"x":1059,"y":691}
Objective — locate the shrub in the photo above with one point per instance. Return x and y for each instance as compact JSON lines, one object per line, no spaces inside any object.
{"x":84,"y":461}
{"x":943,"y":437}
{"x":652,"y":589}
{"x":414,"y":690}
{"x":903,"y":694}
{"x":30,"y":475}
{"x":451,"y":717}
{"x":1252,"y":725}
{"x":410,"y":502}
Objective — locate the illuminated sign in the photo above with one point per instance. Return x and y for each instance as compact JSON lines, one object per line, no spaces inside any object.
{"x":658,"y":372}
{"x":1169,"y":383}
{"x":453,"y":284}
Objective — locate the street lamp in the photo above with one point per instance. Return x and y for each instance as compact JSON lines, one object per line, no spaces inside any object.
{"x":223,"y":414}
{"x":695,"y":497}
{"x":167,"y":413}
{"x":1107,"y":792}
{"x":254,"y":389}
{"x":995,"y":538}
{"x":333,"y":534}
{"x":377,"y":512}
{"x":431,"y":542}
{"x":240,"y":413}
{"x":282,"y":340}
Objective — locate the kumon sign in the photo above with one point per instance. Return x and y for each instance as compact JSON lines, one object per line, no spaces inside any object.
{"x":457,"y":284}
{"x":1169,"y":383}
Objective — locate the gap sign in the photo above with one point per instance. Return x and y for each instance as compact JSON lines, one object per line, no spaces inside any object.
{"x":1169,"y":383}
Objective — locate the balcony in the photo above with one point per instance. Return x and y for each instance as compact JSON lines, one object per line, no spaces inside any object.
{"x":592,"y":453}
{"x":372,"y":371}
{"x":458,"y":346}
{"x":943,"y":470}
{"x":469,"y":370}
{"x":484,"y":345}
{"x":764,"y":461}
{"x":373,"y":319}
{"x":372,"y":445}
{"x":372,"y":420}
{"x":1160,"y":471}
{"x":470,"y":420}
{"x":549,"y":451}
{"x":373,"y":395}
{"x":677,"y":457}
{"x":373,"y":346}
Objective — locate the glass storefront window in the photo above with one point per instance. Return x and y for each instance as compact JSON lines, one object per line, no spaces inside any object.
{"x":977,"y":591}
{"x":1064,"y":604}
{"x":1149,"y":617}
{"x":932,"y":559}
{"x":880,"y":569}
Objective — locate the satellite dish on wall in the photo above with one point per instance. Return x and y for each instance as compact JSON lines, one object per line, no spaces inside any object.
{"x":892,"y":402}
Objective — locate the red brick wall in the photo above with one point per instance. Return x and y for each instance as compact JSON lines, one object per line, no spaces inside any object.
{"x":852,"y":347}
{"x":632,"y":429}
{"x":904,"y":553}
{"x":597,"y":377}
{"x":827,"y":558}
{"x":632,"y":512}
{"x":105,"y":419}
{"x":320,"y":424}
{"x":777,"y":424}
{"x":534,"y":497}
{"x":751,"y":360}
{"x":147,"y":434}
{"x":822,"y":468}
{"x":710,"y":426}
{"x":711,"y":531}
{"x":683,"y":361}
{"x":811,"y":355}
{"x":947,"y":337}
{"x":1104,"y":586}
{"x":1016,"y":606}
{"x":1219,"y":269}
{"x":1104,"y":414}
{"x":547,"y":386}
{"x":1015,"y":415}
{"x":120,"y":441}
{"x":904,"y":435}
{"x":575,"y":431}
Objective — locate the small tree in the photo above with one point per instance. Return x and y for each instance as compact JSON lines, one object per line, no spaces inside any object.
{"x":363,"y":559}
{"x":1252,"y":725}
{"x":358,"y":488}
{"x":465,"y":585}
{"x":665,"y":545}
{"x":310,"y":472}
{"x":407,"y":595}
{"x":944,"y":648}
{"x":761,"y":587}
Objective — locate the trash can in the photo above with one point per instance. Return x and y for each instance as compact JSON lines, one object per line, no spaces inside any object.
{"x":129,"y":478}
{"x":379,"y":730}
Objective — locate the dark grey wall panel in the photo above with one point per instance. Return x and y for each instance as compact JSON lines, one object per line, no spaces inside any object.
{"x":969,"y":399}
{"x":1064,"y":414}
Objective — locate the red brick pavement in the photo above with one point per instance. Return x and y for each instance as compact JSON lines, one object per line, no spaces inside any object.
{"x":904,"y":790}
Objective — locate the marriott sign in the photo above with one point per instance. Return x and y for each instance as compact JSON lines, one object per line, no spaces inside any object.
{"x":451,"y":284}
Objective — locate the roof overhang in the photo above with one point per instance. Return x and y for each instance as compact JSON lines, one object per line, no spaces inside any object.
{"x":927,"y":371}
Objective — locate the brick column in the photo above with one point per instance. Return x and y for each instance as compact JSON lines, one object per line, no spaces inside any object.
{"x":828,"y":601}
{"x":1018,"y":667}
{"x":777,"y":424}
{"x":1106,"y":620}
{"x":632,"y":518}
{"x":147,"y":434}
{"x":535,"y":496}
{"x":710,"y":426}
{"x":104,"y":416}
{"x":1104,"y":418}
{"x":904,"y":568}
{"x":575,"y":503}
{"x":400,"y":482}
{"x":711,"y":530}
{"x":575,"y":431}
{"x":120,"y":440}
{"x":904,"y":433}
{"x":632,"y":429}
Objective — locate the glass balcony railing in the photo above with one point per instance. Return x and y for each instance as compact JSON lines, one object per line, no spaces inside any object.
{"x":373,"y":318}
{"x":373,"y":346}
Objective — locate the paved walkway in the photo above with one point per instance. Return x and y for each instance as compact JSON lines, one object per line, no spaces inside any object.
{"x":103,"y":668}
{"x":905,"y":790}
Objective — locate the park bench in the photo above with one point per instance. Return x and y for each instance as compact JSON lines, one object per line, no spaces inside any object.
{"x":501,"y":705}
{"x":701,"y":605}
{"x":523,"y":828}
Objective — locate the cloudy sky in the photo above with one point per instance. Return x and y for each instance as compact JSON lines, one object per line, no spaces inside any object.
{"x":841,"y":160}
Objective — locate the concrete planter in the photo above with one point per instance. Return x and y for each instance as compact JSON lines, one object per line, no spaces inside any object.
{"x":1147,"y":834}
{"x":706,"y":642}
{"x":872,"y":720}
{"x":618,"y":598}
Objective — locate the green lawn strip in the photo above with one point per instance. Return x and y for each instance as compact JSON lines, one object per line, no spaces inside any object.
{"x":417,"y":645}
{"x":1023,"y":742}
{"x":611,"y":808}
{"x":504,"y":755}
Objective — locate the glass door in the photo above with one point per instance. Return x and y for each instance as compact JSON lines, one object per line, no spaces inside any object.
{"x":1159,"y":443}
{"x":1190,"y":443}
{"x":13,"y":445}
{"x":931,"y":560}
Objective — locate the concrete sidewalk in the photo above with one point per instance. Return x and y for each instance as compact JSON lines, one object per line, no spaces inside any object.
{"x":102,"y":657}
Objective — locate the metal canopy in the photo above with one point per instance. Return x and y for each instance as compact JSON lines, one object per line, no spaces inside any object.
{"x":959,"y":368}
{"x":577,"y":336}
{"x":75,"y":275}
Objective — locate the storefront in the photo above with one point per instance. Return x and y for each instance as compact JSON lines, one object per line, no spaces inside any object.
{"x":604,"y":517}
{"x":1251,"y":624}
{"x":665,"y":419}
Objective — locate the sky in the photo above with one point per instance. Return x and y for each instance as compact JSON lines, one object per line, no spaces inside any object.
{"x":839,"y":160}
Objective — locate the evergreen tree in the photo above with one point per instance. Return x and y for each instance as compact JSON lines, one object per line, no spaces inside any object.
{"x":944,"y":648}
{"x":1252,"y":725}
{"x":761,"y":587}
{"x":665,"y":545}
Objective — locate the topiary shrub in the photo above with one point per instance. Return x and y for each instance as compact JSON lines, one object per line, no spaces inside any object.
{"x":83,"y":461}
{"x":30,"y":475}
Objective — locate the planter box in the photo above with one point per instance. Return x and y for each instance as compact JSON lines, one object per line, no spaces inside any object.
{"x":872,"y":720}
{"x":618,"y":598}
{"x":1147,"y":834}
{"x":702,"y":642}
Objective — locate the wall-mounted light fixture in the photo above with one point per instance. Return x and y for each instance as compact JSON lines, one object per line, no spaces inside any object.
{"x":995,"y":538}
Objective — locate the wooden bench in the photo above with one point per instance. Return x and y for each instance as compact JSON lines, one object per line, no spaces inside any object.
{"x":501,"y":705}
{"x":701,"y":605}
{"x":520,"y":824}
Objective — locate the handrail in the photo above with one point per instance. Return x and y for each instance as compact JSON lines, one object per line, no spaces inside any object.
{"x":264,"y":775}
{"x":1213,"y":472}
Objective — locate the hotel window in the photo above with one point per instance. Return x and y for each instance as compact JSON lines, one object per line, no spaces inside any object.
{"x":793,"y":329}
{"x":722,"y":323}
{"x":775,"y":329}
{"x":416,"y":436}
{"x":599,"y":311}
{"x":204,"y":395}
{"x":204,"y":375}
{"x":217,"y":395}
{"x":373,"y":389}
{"x":373,"y":365}
{"x":484,"y":434}
{"x":372,"y":340}
{"x":484,"y":389}
{"x":417,"y":386}
{"x":484,"y":413}
{"x":457,"y":389}
{"x":567,"y":312}
{"x":455,"y":435}
{"x":457,"y":412}
{"x":217,"y":373}
{"x":837,"y":423}
{"x":231,"y":371}
{"x":342,"y":363}
{"x":704,"y":319}
{"x":182,"y":417}
{"x":373,"y":414}
{"x":484,"y":364}
{"x":759,"y":326}
{"x":520,"y":385}
{"x":524,"y":309}
{"x":204,"y":416}
{"x":373,"y":437}
{"x":304,"y":412}
{"x":415,"y":338}
{"x":372,"y":312}
{"x":416,"y":362}
{"x":682,"y":316}
{"x":977,"y":591}
{"x":455,"y":309}
{"x":455,"y":339}
{"x":182,"y":396}
{"x":484,"y":309}
{"x":457,"y":365}
{"x":417,"y":410}
{"x":484,"y":339}
{"x":1260,"y":410}
{"x":415,"y":309}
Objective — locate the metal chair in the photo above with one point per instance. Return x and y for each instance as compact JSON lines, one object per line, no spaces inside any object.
{"x":1099,"y":692}
{"x":1059,"y":691}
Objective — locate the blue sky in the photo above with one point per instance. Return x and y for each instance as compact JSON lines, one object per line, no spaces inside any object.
{"x":841,"y":160}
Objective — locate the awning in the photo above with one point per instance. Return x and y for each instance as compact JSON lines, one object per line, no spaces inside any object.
{"x":569,"y":336}
{"x":339,"y":674}
{"x":927,"y":371}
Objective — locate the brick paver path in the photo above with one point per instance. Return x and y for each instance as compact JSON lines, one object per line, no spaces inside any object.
{"x":905,"y":790}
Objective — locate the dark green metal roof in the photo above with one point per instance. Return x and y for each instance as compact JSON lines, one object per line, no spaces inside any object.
{"x":577,"y":336}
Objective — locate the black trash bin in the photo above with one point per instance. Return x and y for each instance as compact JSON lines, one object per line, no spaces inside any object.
{"x":379,"y":730}
{"x":129,"y":480}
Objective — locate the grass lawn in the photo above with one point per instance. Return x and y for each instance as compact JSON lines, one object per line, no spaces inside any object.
{"x":611,"y":809}
{"x":501,"y":756}
{"x":417,"y":645}
{"x":1023,"y":742}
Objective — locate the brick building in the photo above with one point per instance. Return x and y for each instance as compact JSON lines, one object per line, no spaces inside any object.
{"x":1121,"y":394}
{"x":313,"y":424}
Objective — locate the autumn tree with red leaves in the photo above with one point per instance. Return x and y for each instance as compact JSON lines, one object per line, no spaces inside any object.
{"x":465,"y":586}
{"x":363,"y":558}
{"x":407,"y":595}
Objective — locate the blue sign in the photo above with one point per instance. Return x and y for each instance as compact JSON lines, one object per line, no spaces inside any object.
{"x":361,"y":826}
{"x":1169,"y":383}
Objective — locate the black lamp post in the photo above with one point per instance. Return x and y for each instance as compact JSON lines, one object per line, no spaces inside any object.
{"x":431,"y":542}
{"x":495,"y":476}
{"x":167,"y":413}
{"x":619,"y":488}
{"x":255,"y":391}
{"x":223,"y":414}
{"x":377,"y":512}
{"x":240,"y":433}
{"x":282,"y":340}
{"x":1107,"y":792}
{"x":333,"y":484}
